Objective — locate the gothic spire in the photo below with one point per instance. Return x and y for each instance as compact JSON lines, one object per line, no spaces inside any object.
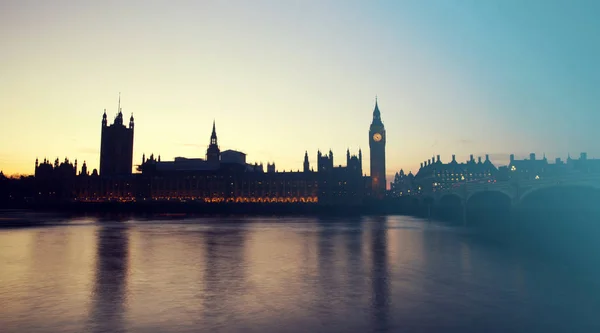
{"x":213,"y":136}
{"x":119,"y":116}
{"x":306,"y":164}
{"x":104,"y":121}
{"x":376,"y":114}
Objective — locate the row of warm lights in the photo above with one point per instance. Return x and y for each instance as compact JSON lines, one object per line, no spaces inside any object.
{"x":463,"y":175}
{"x":442,"y":184}
{"x":110,"y":195}
{"x":104,"y":199}
{"x":243,"y":199}
{"x":210,"y":200}
{"x":203,"y":194}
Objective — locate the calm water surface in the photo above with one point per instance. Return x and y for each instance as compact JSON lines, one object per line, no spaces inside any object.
{"x":389,"y":274}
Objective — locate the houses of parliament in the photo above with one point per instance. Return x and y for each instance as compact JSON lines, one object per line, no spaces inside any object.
{"x":218,"y":177}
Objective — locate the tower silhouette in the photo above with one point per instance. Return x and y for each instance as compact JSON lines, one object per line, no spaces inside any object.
{"x":377,"y":140}
{"x":116,"y":145}
{"x":306,"y":165}
{"x":213,"y":153}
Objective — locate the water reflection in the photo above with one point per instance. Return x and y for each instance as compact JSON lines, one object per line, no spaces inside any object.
{"x":110,"y":285}
{"x":379,"y":276}
{"x":280,"y":275}
{"x":326,"y":258}
{"x":224,"y":275}
{"x":353,"y":275}
{"x":353,"y":248}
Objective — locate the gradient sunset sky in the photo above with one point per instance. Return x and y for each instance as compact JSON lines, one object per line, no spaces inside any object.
{"x":281,"y":77}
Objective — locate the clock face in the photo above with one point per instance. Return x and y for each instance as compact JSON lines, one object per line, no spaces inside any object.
{"x":377,"y":137}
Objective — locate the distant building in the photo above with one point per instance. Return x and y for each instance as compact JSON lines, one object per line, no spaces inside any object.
{"x":403,"y":184}
{"x":533,"y":168}
{"x":227,"y":177}
{"x":55,"y":181}
{"x":154,"y":165}
{"x":233,"y":156}
{"x":222,"y":176}
{"x":58,"y":170}
{"x":338,"y":184}
{"x":433,"y":175}
{"x":213,"y":153}
{"x":377,"y":139}
{"x":583,"y":164}
{"x":116,"y":147}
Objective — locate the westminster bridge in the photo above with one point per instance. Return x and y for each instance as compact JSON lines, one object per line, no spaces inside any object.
{"x":559,"y":215}
{"x":576,"y":194}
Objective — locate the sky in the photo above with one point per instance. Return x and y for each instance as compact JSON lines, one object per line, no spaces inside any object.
{"x":283,"y":77}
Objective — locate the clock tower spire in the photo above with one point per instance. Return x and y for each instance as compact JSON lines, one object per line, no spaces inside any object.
{"x":213,"y":153}
{"x":377,"y":149}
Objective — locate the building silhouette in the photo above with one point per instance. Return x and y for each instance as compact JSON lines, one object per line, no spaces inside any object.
{"x":217,"y":177}
{"x":227,"y":177}
{"x":377,"y":140}
{"x":403,"y":184}
{"x":213,"y":154}
{"x":55,"y":181}
{"x":116,"y":145}
{"x":536,"y":168}
{"x":434,"y":175}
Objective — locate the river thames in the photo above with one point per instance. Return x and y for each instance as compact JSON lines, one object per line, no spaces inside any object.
{"x":371,"y":274}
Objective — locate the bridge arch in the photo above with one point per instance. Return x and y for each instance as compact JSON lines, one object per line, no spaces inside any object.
{"x":561,"y":218}
{"x":450,"y":208}
{"x":491,"y":196}
{"x":489,"y":210}
{"x":450,"y":198}
{"x":558,"y":186}
{"x":505,"y":192}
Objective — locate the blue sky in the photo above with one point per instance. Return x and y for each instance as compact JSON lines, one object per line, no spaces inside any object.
{"x":282,"y":77}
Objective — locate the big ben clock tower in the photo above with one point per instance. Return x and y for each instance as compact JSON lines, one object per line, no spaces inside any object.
{"x":377,"y":149}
